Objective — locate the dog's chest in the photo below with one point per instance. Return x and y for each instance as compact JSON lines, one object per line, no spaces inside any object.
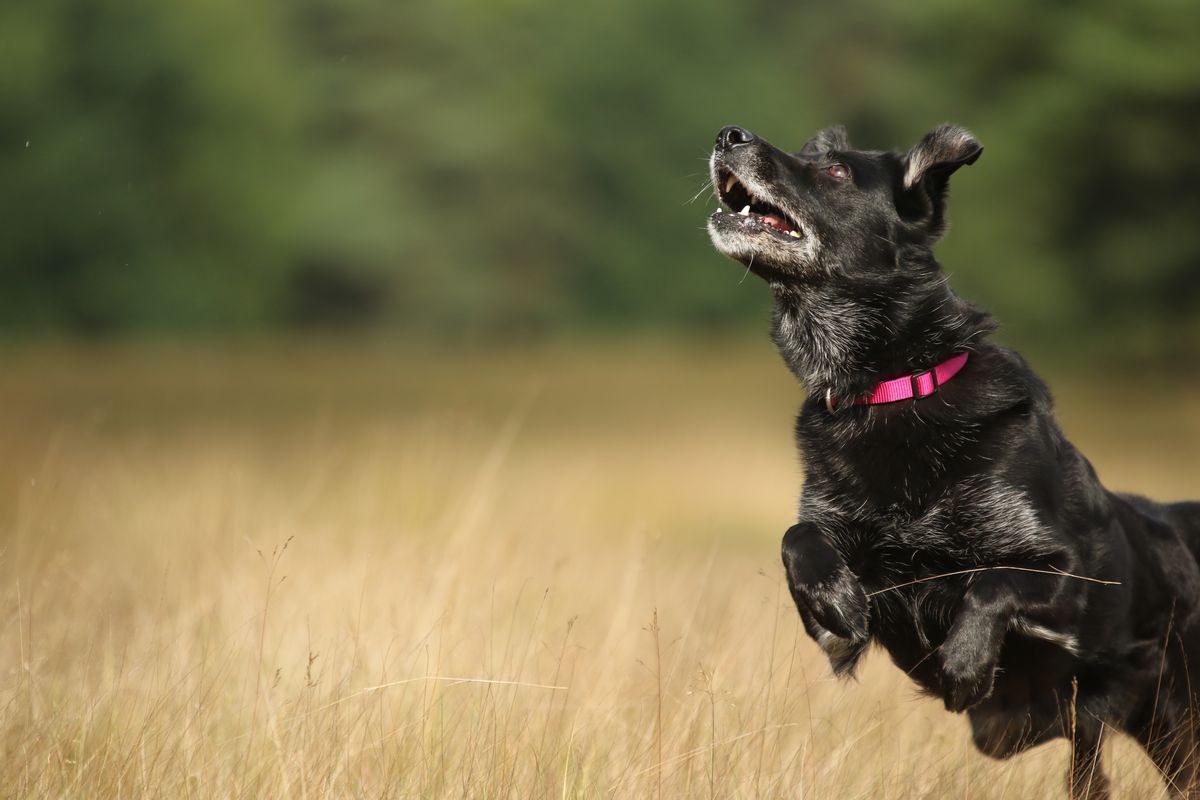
{"x":915,"y":570}
{"x":974,"y":522}
{"x":915,"y":561}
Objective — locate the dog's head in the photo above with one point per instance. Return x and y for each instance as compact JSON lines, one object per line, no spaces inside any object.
{"x":828,"y":209}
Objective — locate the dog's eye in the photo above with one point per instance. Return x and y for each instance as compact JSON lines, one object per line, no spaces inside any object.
{"x":839,"y":171}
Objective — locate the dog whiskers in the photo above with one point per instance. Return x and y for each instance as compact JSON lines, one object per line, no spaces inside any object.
{"x":708,"y":184}
{"x":747,"y":272}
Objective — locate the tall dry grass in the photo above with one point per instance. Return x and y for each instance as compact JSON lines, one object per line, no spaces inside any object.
{"x":327,"y":572}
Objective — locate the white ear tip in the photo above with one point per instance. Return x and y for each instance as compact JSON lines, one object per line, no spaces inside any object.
{"x":949,"y":145}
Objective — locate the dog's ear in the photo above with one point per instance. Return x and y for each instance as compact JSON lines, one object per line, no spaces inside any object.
{"x":832,"y":138}
{"x":927,"y":170}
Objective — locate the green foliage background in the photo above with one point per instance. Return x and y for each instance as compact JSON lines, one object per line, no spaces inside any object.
{"x":524,"y":167}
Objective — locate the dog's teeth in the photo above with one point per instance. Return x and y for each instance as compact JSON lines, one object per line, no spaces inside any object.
{"x":745,"y":212}
{"x":794,"y":234}
{"x":729,"y":183}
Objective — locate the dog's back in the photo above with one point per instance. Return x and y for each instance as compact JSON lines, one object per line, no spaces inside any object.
{"x":1186,"y":517}
{"x":1181,"y":518}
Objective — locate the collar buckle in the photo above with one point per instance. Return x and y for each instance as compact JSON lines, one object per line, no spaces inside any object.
{"x":916,"y":386}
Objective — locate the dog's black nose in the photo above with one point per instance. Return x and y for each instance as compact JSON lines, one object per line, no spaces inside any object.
{"x":733,"y":136}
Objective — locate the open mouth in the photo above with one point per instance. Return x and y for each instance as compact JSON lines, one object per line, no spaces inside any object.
{"x":758,"y":213}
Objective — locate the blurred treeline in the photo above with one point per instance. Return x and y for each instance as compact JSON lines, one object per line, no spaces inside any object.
{"x":515,"y":167}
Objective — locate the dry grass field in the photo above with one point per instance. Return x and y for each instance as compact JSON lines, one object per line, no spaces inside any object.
{"x":310,"y":572}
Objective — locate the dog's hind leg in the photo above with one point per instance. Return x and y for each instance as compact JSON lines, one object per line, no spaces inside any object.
{"x":1173,"y":738}
{"x":1171,"y":743}
{"x":1175,"y":755}
{"x":1086,"y":779}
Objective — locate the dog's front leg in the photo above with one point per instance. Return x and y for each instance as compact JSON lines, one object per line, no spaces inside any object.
{"x":971,"y":650}
{"x":830,"y":599}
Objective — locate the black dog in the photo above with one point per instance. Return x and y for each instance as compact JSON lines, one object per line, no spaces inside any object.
{"x":944,"y":515}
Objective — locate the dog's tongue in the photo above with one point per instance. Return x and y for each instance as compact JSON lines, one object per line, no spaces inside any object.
{"x":776,"y":222}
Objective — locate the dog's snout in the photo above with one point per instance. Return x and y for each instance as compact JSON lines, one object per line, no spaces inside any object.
{"x":733,"y":136}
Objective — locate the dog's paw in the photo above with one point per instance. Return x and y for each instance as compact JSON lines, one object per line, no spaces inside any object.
{"x":823,"y":586}
{"x":965,"y":693}
{"x":843,"y":654}
{"x":968,"y":681}
{"x":839,"y":605}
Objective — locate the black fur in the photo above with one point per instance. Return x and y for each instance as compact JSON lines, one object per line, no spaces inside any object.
{"x":1074,"y":608}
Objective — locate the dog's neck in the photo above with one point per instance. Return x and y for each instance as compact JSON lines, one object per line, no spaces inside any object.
{"x":846,"y":340}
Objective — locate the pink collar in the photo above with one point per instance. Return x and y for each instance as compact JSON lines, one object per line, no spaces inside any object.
{"x":917,"y":385}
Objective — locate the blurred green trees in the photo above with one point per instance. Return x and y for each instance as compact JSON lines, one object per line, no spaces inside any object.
{"x":513,"y":167}
{"x":145,"y":153}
